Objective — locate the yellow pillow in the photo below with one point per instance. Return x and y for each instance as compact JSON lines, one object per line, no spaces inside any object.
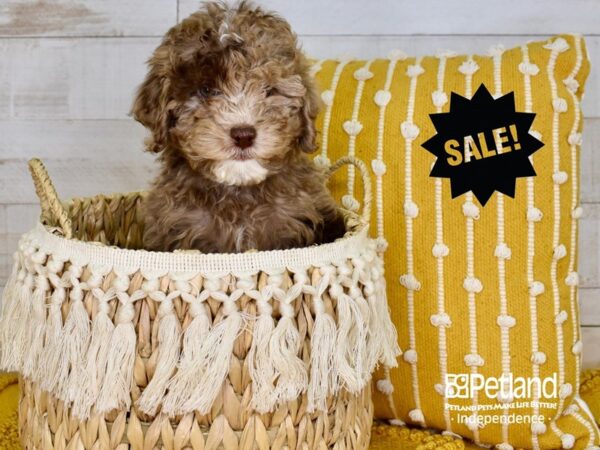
{"x":475,"y":291}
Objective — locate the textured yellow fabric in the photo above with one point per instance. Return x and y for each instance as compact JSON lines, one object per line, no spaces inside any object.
{"x":478,"y":290}
{"x":9,"y":398}
{"x":590,"y":391}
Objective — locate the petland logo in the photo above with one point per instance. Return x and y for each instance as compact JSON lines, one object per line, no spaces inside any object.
{"x":505,"y":387}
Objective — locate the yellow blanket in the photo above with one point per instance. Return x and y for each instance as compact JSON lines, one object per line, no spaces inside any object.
{"x":385,"y":437}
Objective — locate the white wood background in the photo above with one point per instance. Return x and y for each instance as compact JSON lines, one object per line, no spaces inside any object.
{"x":68,"y":70}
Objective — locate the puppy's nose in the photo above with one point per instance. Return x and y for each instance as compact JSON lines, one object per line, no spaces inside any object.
{"x":243,"y":136}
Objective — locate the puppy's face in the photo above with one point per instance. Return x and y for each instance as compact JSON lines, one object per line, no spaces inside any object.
{"x":229,"y":90}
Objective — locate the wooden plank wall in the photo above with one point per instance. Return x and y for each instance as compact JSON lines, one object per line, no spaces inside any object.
{"x":68,"y":70}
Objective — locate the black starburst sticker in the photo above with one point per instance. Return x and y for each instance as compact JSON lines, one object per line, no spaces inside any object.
{"x":482,"y":144}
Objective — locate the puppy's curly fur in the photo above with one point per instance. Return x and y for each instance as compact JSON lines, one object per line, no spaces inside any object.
{"x":231,"y":109}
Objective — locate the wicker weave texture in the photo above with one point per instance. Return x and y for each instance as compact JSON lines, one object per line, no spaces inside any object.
{"x":274,"y":352}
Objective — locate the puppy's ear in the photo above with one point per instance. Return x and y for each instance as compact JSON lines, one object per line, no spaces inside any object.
{"x":308,"y":139}
{"x":152,"y":107}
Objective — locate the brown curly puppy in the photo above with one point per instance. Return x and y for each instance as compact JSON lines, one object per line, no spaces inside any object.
{"x":231,"y":108}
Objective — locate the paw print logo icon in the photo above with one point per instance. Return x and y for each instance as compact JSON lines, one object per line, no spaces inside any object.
{"x":457,"y":385}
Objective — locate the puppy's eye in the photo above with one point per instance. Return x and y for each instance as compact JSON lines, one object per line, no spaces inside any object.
{"x":271,"y":91}
{"x":207,"y":92}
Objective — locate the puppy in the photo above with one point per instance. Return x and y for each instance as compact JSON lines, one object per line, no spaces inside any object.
{"x":231,"y":110}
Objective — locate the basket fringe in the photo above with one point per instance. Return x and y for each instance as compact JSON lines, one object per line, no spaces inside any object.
{"x":388,"y":337}
{"x":90,"y":366}
{"x":323,"y":373}
{"x":362,"y":343}
{"x":115,"y":391}
{"x":14,"y":320}
{"x":350,"y":342}
{"x":75,"y":341}
{"x":260,"y":363}
{"x":284,"y":347}
{"x":195,"y":335}
{"x":37,"y":327}
{"x":97,"y":355}
{"x":322,"y":379}
{"x":291,"y":371}
{"x":9,"y":302}
{"x":169,"y":340}
{"x":9,"y":305}
{"x":53,"y":366}
{"x":196,"y":386}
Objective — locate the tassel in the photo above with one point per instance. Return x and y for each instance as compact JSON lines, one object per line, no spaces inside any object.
{"x":14,"y":324}
{"x":285,"y":344}
{"x":210,"y":369}
{"x":195,"y":334}
{"x":360,"y":274}
{"x":169,"y":336}
{"x":53,"y":322}
{"x":260,"y":364}
{"x":284,"y":347}
{"x":390,"y":349}
{"x":323,"y":374}
{"x":350,"y":341}
{"x":115,"y":390}
{"x":196,"y":331}
{"x":36,"y":326}
{"x":10,"y":300}
{"x":362,"y":338}
{"x":53,"y":366}
{"x":16,"y":309}
{"x":97,"y":356}
{"x":74,"y":341}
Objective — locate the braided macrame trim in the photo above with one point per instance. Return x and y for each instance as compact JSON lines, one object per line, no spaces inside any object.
{"x":206,"y":264}
{"x":71,"y":323}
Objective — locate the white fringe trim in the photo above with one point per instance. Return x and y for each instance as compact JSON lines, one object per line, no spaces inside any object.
{"x":36,"y":326}
{"x":75,"y":341}
{"x":195,"y":387}
{"x":285,"y":343}
{"x":90,"y":364}
{"x":97,"y":355}
{"x":115,"y":392}
{"x":169,"y":336}
{"x":16,"y":313}
{"x":323,"y":376}
{"x":260,"y":363}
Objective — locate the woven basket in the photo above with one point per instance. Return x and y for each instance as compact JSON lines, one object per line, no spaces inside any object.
{"x":124,"y":348}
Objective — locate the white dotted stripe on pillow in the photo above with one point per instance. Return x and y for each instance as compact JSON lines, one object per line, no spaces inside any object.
{"x":381,"y":99}
{"x":315,"y":68}
{"x":595,"y":435}
{"x":410,"y":131}
{"x":564,"y":438}
{"x":353,"y":127}
{"x":471,"y":284}
{"x":574,"y":140}
{"x":556,"y":47}
{"x":502,"y":253}
{"x":328,"y":96}
{"x":441,"y":250}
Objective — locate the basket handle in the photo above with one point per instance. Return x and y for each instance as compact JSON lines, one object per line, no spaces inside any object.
{"x":366,"y":180}
{"x":53,"y":211}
